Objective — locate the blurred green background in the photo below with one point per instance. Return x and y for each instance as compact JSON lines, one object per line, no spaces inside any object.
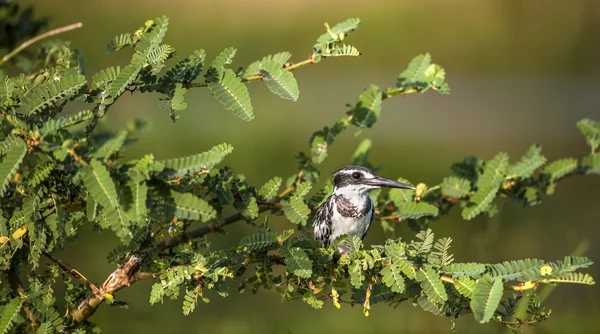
{"x":520,"y":72}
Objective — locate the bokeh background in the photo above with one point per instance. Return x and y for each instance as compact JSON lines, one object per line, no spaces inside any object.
{"x":520,"y":72}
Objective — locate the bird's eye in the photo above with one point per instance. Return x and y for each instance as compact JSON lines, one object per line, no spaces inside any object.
{"x":356,"y":175}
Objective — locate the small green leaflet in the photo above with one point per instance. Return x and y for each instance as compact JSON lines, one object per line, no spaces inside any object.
{"x":560,"y":168}
{"x":361,"y":155}
{"x":297,"y":262}
{"x":367,"y":110}
{"x":259,"y":241}
{"x":431,"y":284}
{"x":455,"y":187}
{"x":10,"y":163}
{"x":392,"y":277}
{"x":280,"y":81}
{"x":50,"y":92}
{"x":179,"y":167}
{"x":591,"y":130}
{"x":126,"y":76}
{"x":402,"y":196}
{"x":529,"y":163}
{"x":488,"y":185}
{"x":464,"y":269}
{"x":188,"y":206}
{"x":591,"y":163}
{"x":269,"y":190}
{"x":296,"y":210}
{"x":465,"y":286}
{"x":414,"y":75}
{"x":280,"y":58}
{"x":233,"y":95}
{"x":9,"y":312}
{"x":248,"y":206}
{"x":414,"y":210}
{"x":139,"y":193}
{"x":486,"y":298}
{"x":340,"y":29}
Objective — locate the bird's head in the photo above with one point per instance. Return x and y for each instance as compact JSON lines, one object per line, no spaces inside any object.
{"x":359,"y":180}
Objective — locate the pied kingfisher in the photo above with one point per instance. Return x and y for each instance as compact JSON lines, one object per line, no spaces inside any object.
{"x":349,"y":210}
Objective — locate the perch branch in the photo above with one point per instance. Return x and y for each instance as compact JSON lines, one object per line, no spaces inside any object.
{"x":47,"y":34}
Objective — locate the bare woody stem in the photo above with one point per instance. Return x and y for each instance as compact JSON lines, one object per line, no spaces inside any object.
{"x":29,"y":42}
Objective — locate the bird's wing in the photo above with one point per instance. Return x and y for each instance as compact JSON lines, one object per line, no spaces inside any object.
{"x":370,"y":218}
{"x":322,"y":224}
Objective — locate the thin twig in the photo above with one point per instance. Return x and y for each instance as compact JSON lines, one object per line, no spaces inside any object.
{"x":71,"y":271}
{"x":259,"y":76}
{"x":19,"y":291}
{"x":50,"y":33}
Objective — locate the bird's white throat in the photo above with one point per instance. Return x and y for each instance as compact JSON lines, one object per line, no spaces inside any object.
{"x":355,"y":194}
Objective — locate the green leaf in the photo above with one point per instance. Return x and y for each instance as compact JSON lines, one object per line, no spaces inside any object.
{"x":465,"y":286}
{"x":9,"y":313}
{"x":48,"y":93}
{"x":487,"y":186}
{"x":441,"y":256}
{"x":10,"y":163}
{"x":39,"y":173}
{"x":105,"y":76}
{"x":464,"y":269}
{"x":119,"y":42}
{"x":520,"y":270}
{"x":344,"y":50}
{"x":297,"y":262}
{"x":152,"y":38}
{"x":402,"y":196}
{"x":7,"y":144}
{"x":180,"y":167}
{"x":392,"y":277}
{"x":591,"y":163}
{"x":177,"y":101}
{"x":233,"y":95}
{"x":126,"y":77}
{"x":224,"y":58}
{"x":529,"y":163}
{"x":186,"y":70}
{"x":572,"y":263}
{"x":269,"y":190}
{"x":259,"y":241}
{"x":188,"y":206}
{"x":302,"y":189}
{"x":279,"y":80}
{"x":137,"y":210}
{"x":342,"y":29}
{"x":98,"y":182}
{"x":560,"y":168}
{"x":486,"y":298}
{"x":111,"y":146}
{"x":296,"y":210}
{"x":429,"y":306}
{"x":280,"y":58}
{"x":414,"y":210}
{"x":189,"y":301}
{"x":591,"y":130}
{"x":248,"y":206}
{"x":414,"y":75}
{"x":577,"y":278}
{"x":431,"y":284}
{"x":425,"y":244}
{"x":52,"y":126}
{"x":455,"y":187}
{"x":367,"y":110}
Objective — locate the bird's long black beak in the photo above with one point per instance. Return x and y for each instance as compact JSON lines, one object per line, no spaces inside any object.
{"x":387,"y":183}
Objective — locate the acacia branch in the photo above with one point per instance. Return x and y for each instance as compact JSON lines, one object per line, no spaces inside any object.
{"x":47,"y":34}
{"x":289,"y":67}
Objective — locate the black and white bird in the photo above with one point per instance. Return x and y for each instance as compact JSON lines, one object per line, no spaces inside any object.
{"x":349,"y":210}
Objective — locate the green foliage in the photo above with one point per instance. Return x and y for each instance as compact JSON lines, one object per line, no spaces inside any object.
{"x":50,"y":92}
{"x":55,"y":178}
{"x":8,"y":314}
{"x":488,"y":185}
{"x":279,"y":80}
{"x":486,"y":297}
{"x":270,"y":189}
{"x":297,"y":262}
{"x":591,"y":130}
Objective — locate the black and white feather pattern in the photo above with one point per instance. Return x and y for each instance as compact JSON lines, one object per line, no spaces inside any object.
{"x":338,"y":216}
